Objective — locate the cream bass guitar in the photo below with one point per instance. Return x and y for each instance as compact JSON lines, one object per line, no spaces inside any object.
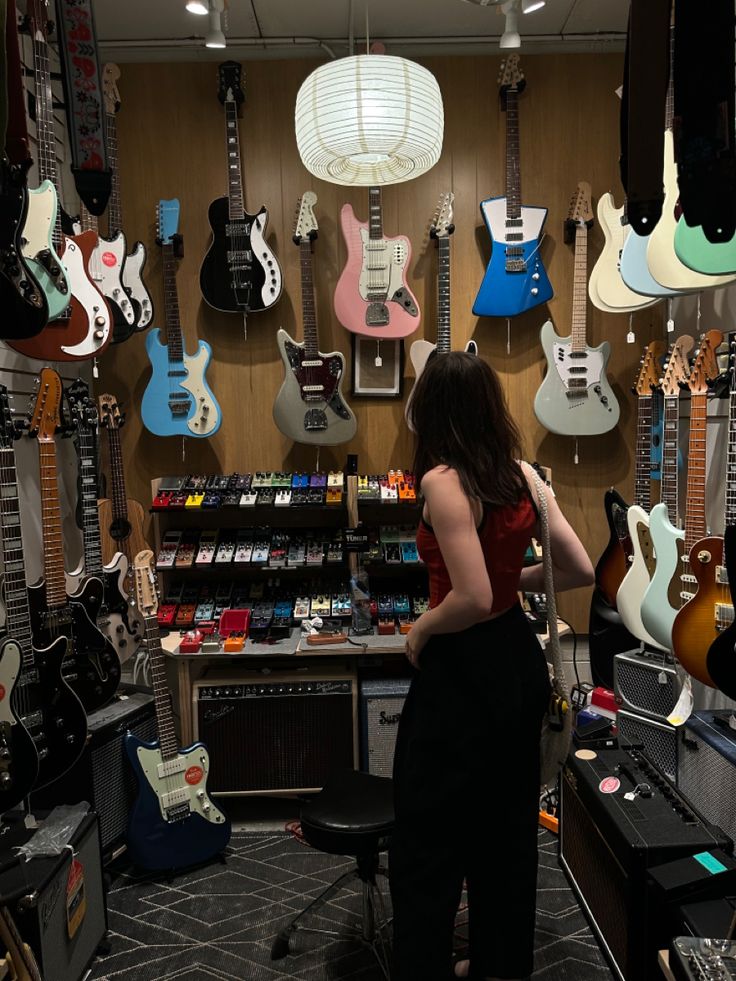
{"x":606,"y":288}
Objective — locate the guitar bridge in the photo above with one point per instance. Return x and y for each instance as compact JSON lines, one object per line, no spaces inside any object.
{"x":376,"y":315}
{"x":179,"y":813}
{"x":315,"y":420}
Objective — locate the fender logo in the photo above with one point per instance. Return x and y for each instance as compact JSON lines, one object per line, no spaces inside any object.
{"x":194,"y":775}
{"x":388,"y":720}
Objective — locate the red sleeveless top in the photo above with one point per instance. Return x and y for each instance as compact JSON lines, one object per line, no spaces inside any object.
{"x":505,"y":533}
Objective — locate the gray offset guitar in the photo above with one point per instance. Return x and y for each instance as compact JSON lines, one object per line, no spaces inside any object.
{"x":575,"y":398}
{"x":310,"y":407}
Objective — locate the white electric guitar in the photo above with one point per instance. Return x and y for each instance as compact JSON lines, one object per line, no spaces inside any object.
{"x":606,"y":288}
{"x":575,"y":398}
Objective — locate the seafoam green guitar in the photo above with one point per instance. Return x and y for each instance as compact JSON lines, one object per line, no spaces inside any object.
{"x":696,"y":252}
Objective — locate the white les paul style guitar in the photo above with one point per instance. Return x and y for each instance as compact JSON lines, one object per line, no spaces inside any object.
{"x":575,"y":398}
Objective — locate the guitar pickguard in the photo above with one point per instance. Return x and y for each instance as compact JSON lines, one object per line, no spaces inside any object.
{"x":382,"y":269}
{"x":133,"y":282}
{"x":180,"y":784}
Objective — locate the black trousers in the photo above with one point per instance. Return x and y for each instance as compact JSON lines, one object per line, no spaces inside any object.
{"x":466,"y":774}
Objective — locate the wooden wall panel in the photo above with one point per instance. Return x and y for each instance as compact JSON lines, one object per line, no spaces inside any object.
{"x":171,"y":139}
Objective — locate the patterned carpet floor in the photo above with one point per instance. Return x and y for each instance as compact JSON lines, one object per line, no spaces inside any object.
{"x":217,"y":923}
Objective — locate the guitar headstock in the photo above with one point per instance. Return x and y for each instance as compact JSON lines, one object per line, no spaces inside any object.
{"x":510,"y":76}
{"x":82,"y":407}
{"x":678,"y":366}
{"x":8,"y":428}
{"x":111,"y":415}
{"x":442,"y":225}
{"x":305,"y":226}
{"x":705,"y":368}
{"x":229,"y":82}
{"x":167,"y":215}
{"x":144,"y":575}
{"x":46,"y":411}
{"x":650,"y":368}
{"x":110,"y":76}
{"x":581,"y":208}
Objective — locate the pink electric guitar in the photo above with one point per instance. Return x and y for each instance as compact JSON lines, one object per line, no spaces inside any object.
{"x":372,"y":297}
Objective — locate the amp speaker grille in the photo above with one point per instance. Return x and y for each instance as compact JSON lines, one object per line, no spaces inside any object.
{"x":658,"y":739}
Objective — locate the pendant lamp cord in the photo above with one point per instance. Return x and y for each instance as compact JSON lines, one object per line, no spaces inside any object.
{"x":367,"y":31}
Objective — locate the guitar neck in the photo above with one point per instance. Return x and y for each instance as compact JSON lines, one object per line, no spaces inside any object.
{"x":670,"y":437}
{"x":18,"y":623}
{"x":642,"y":475}
{"x":164,"y":717}
{"x":45,"y":135}
{"x":119,"y":496}
{"x":234,"y":168}
{"x":695,"y":527}
{"x":87,"y":451}
{"x":513,"y":156}
{"x":53,"y":542}
{"x":114,"y":205}
{"x":579,"y":291}
{"x":375,"y":213}
{"x":309,"y":312}
{"x":444,"y":341}
{"x":174,"y":340}
{"x":669,"y":110}
{"x":730,"y":508}
{"x":87,"y":220}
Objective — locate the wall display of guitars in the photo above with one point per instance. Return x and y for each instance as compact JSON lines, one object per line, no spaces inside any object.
{"x":239,"y":273}
{"x":515,"y":279}
{"x":310,"y":406}
{"x":178,"y":400}
{"x":575,"y":398}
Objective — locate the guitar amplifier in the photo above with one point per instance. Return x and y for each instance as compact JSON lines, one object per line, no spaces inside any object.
{"x":381,"y":702}
{"x":706,"y":766}
{"x":659,"y":739}
{"x":284,"y":732}
{"x":102,"y":775}
{"x":645,"y":684}
{"x":607,"y":843}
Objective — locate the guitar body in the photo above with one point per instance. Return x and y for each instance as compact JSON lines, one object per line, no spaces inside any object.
{"x":662,"y":259}
{"x":38,"y":248}
{"x":720,"y":662}
{"x":395,"y":317}
{"x":588,"y":411}
{"x":197,"y":412}
{"x":636,"y":580}
{"x":126,"y":537}
{"x":503,"y":293}
{"x":635,"y":270}
{"x":136,"y":288}
{"x":696,"y":252}
{"x":52,"y":713}
{"x":614,"y":562}
{"x":657,"y":609}
{"x":117,"y":619}
{"x":419,"y":353}
{"x":173,"y":823}
{"x":18,"y":754}
{"x":606,"y":288}
{"x":239,"y":273}
{"x":107,"y":265}
{"x":320,"y":418}
{"x":22,"y":299}
{"x":91,"y":667}
{"x":696,"y":623}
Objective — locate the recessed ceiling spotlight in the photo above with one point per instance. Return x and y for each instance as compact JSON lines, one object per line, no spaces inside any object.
{"x":197,"y":7}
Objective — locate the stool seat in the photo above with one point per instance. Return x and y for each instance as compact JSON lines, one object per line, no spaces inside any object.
{"x":351,"y":816}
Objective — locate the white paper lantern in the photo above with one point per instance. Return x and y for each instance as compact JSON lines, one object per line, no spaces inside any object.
{"x":369,"y":120}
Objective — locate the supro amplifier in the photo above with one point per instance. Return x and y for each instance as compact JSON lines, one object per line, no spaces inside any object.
{"x":276,"y":733}
{"x":706,"y":766}
{"x":659,"y":739}
{"x":620,"y":816}
{"x":102,"y":775}
{"x":381,"y":702}
{"x":645,"y":684}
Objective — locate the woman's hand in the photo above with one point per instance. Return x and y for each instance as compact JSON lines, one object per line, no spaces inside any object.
{"x":416,"y":640}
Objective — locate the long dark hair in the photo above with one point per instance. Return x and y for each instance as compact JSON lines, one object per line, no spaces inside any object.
{"x":460,"y":417}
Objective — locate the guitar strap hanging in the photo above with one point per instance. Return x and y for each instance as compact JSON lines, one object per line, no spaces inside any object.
{"x":85,"y":107}
{"x":13,"y":123}
{"x":704,"y":108}
{"x":646,"y":74}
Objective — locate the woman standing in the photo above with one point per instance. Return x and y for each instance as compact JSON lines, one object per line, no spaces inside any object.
{"x":466,"y":769}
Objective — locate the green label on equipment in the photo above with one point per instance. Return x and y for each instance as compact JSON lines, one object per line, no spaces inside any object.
{"x":709,"y":862}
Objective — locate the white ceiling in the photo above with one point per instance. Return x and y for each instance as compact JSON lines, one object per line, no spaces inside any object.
{"x":136,"y":30}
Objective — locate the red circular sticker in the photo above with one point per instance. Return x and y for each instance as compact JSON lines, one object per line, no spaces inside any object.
{"x":193,"y":775}
{"x":2,"y":692}
{"x":610,"y":785}
{"x":109,"y":258}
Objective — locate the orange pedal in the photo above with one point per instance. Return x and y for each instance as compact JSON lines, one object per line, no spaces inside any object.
{"x":386,"y":628}
{"x":234,"y":642}
{"x":550,"y":822}
{"x":314,"y":640}
{"x":406,"y":626}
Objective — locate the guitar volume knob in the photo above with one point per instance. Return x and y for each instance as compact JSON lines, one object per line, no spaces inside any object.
{"x":535,"y":276}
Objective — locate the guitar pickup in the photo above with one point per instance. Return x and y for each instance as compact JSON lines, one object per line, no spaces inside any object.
{"x":721,"y":575}
{"x":169,"y":767}
{"x":173,"y":798}
{"x":724,"y":615}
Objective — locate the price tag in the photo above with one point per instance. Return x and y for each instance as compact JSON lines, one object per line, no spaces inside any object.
{"x":670,"y":326}
{"x":631,"y":337}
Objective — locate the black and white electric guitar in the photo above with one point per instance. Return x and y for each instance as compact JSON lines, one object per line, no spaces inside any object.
{"x":240,"y":273}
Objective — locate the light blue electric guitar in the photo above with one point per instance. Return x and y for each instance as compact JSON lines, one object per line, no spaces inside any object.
{"x":177,"y":400}
{"x":515,"y":279}
{"x":635,"y":269}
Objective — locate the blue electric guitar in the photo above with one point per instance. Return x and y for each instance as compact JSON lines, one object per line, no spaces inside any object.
{"x":173,"y":823}
{"x":515,"y":279}
{"x":177,"y":400}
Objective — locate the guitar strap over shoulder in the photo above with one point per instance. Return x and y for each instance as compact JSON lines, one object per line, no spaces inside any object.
{"x":646,"y":75}
{"x":704,"y":108}
{"x":85,"y":107}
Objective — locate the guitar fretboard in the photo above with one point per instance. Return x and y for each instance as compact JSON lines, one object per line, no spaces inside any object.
{"x":309,"y":313}
{"x":695,"y":527}
{"x":670,"y":437}
{"x":234,"y":170}
{"x":375,"y":213}
{"x":114,"y":205}
{"x":53,"y":542}
{"x":643,"y":466}
{"x":119,"y":497}
{"x":579,"y":340}
{"x":513,"y":156}
{"x":730,"y":509}
{"x":162,"y":696}
{"x":175,"y":344}
{"x":87,"y":450}
{"x":444,"y":341}
{"x":18,"y":623}
{"x":45,"y":136}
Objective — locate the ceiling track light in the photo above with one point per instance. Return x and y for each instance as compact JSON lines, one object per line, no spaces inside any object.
{"x":529,"y":6}
{"x":510,"y":37}
{"x":215,"y":37}
{"x":198,"y":7}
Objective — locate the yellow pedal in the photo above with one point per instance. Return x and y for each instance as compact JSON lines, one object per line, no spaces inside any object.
{"x":194,"y":501}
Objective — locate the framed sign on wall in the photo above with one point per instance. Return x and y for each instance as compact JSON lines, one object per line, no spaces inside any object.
{"x":378,"y":367}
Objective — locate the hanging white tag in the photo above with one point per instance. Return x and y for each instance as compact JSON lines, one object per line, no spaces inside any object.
{"x":630,"y":795}
{"x":378,"y":361}
{"x":684,"y":707}
{"x":631,"y":337}
{"x":670,"y":326}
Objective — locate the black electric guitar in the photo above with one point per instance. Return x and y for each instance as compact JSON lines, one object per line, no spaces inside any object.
{"x":239,"y":273}
{"x":53,"y":724}
{"x":92,"y":667}
{"x":23,"y":302}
